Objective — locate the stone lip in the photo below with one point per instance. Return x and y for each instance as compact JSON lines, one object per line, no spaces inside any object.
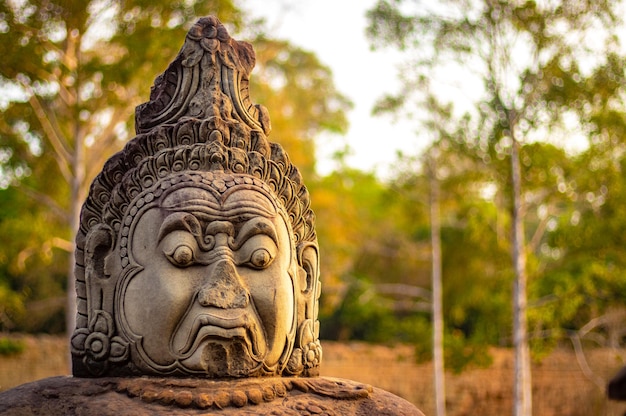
{"x":175,"y":396}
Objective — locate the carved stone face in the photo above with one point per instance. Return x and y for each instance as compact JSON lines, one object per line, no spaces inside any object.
{"x":196,"y":252}
{"x":214,"y":292}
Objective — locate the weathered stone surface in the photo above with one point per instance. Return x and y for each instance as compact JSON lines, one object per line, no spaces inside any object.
{"x":65,"y":396}
{"x":197,"y":264}
{"x":197,"y":253}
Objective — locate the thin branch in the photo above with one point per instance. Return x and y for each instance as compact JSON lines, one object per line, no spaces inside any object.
{"x":582,"y":362}
{"x":45,"y":200}
{"x":538,"y":235}
{"x":399,"y":289}
{"x":45,"y":247}
{"x":57,"y":302}
{"x":22,"y":256}
{"x":68,"y":98}
{"x":595,"y":322}
{"x":62,"y":244}
{"x":107,"y":137}
{"x":62,"y":153}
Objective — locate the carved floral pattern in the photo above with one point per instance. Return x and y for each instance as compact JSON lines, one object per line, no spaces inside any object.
{"x":307,"y":357}
{"x":97,"y":344}
{"x":206,"y":395}
{"x":312,"y":354}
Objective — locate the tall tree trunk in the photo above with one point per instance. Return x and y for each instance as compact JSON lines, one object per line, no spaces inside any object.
{"x":76,"y":200}
{"x":78,"y":175}
{"x":522,"y":391}
{"x":437,"y":317}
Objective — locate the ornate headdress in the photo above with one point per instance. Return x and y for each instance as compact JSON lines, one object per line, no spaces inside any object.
{"x":199,"y":119}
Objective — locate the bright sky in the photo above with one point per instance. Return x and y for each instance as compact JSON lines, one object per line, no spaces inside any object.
{"x":335,"y":31}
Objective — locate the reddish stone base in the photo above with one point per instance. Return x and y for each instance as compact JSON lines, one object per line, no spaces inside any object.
{"x":171,"y":396}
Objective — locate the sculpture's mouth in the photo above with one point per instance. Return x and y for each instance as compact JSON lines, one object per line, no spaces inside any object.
{"x":223,"y":325}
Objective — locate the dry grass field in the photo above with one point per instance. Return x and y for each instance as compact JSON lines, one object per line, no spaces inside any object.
{"x":559,"y":387}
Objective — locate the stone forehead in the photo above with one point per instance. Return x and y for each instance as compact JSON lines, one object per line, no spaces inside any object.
{"x":219,"y":182}
{"x":215,"y":185}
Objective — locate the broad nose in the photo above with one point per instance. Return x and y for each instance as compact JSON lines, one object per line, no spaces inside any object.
{"x":223,"y":288}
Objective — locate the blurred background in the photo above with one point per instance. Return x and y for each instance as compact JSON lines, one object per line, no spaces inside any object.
{"x":466,"y":162}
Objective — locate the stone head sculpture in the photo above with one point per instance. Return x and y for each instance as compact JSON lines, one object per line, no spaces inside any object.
{"x":197,"y":253}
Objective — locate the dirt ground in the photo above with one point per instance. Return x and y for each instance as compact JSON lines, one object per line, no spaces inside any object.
{"x":559,"y":386}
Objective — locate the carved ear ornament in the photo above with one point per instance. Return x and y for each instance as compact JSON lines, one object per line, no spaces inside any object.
{"x":307,"y":355}
{"x":97,"y":344}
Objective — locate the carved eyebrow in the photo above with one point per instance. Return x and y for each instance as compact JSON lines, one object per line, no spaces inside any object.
{"x":180,"y":221}
{"x":255,"y":226}
{"x":216,"y":227}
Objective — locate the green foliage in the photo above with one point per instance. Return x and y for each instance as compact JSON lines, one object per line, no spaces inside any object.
{"x":586,"y":277}
{"x":11,"y":306}
{"x":29,"y":266}
{"x":461,"y":352}
{"x":365,"y":315}
{"x":9,"y":346}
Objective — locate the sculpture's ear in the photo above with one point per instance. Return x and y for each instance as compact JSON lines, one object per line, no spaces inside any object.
{"x":98,"y":249}
{"x":307,"y":338}
{"x":308,"y":258}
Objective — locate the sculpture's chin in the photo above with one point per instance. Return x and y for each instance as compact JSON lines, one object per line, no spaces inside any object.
{"x":223,"y":358}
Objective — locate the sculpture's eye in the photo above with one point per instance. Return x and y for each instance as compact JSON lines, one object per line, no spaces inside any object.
{"x":257,"y":251}
{"x":260,"y":259}
{"x":182,"y":256}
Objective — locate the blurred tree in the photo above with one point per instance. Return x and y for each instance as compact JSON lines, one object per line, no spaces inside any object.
{"x":437,"y":124}
{"x":347,"y":203}
{"x":531,"y":59}
{"x":366,"y":314}
{"x":303,"y":101}
{"x":585,"y":279}
{"x":475,"y":301}
{"x":73,"y":73}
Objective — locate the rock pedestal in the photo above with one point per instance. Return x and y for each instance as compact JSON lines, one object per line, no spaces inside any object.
{"x":62,"y":396}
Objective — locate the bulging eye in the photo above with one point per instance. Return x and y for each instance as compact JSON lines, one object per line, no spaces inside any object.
{"x":182,"y":256}
{"x":260,"y":258}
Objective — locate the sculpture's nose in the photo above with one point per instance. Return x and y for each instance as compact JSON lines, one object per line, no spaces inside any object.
{"x":223,"y":288}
